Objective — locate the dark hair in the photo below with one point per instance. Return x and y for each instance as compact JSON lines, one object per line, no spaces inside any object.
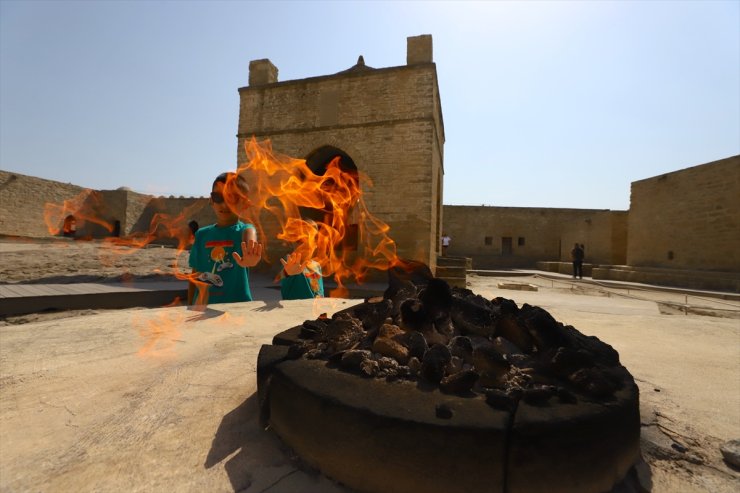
{"x":239,"y":180}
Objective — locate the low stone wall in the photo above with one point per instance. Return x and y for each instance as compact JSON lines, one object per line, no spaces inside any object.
{"x":677,"y":278}
{"x":705,"y":280}
{"x":564,"y":267}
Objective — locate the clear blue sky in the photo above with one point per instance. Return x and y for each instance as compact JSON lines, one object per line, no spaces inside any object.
{"x":554,"y":104}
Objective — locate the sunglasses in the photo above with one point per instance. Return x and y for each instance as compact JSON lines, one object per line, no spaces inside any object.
{"x":218,"y":198}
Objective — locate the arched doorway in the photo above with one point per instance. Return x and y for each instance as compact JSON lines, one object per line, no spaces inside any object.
{"x":69,"y":228}
{"x":317,"y":161}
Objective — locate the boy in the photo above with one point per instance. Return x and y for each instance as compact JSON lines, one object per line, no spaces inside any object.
{"x":302,"y":280}
{"x":222,"y":274}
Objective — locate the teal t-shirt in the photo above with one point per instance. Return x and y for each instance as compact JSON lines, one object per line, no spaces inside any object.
{"x":211,"y":256}
{"x":306,"y":285}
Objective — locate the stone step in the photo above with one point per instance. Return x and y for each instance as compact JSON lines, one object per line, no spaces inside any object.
{"x":460,"y":282}
{"x":455,"y":261}
{"x":451,"y":271}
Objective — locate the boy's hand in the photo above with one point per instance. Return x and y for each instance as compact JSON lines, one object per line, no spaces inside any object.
{"x":251,"y":254}
{"x":293,"y":265}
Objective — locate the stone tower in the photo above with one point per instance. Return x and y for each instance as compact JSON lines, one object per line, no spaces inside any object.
{"x":385,"y":122}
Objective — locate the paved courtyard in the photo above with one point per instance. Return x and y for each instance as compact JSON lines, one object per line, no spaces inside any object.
{"x":164,"y":399}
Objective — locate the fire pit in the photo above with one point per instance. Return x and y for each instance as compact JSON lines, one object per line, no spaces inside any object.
{"x":436,"y":389}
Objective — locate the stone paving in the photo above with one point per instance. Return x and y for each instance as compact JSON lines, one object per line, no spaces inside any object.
{"x":164,"y":399}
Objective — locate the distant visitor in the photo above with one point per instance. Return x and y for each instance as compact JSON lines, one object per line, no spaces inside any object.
{"x":577,"y":256}
{"x":445,"y":243}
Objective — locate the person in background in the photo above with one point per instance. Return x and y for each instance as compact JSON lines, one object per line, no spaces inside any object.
{"x":223,"y":252}
{"x":576,"y":256}
{"x":446,"y":240}
{"x":193,"y":225}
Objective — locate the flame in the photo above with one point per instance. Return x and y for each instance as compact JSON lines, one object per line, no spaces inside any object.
{"x":324,"y":306}
{"x":228,"y":320}
{"x":83,"y":208}
{"x":283,"y":186}
{"x":164,"y":226}
{"x":159,"y":333}
{"x":89,"y":208}
{"x":323,"y":215}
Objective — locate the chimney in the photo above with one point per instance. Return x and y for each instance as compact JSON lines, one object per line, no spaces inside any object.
{"x":419,"y":49}
{"x":262,"y":72}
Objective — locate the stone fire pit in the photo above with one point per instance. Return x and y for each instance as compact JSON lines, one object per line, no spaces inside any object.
{"x":436,"y":389}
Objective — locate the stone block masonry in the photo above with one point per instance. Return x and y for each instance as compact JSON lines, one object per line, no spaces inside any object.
{"x":387,"y":121}
{"x":23,"y":200}
{"x":497,"y":237}
{"x":687,"y":219}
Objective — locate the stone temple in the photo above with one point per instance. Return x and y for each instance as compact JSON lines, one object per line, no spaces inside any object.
{"x":384,"y":122}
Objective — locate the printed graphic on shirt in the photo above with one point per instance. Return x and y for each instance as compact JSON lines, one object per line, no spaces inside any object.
{"x":214,"y":279}
{"x":313,"y":274}
{"x":221,"y":261}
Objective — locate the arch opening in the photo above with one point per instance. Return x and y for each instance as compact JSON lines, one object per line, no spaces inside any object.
{"x":69,"y":228}
{"x":318,"y":161}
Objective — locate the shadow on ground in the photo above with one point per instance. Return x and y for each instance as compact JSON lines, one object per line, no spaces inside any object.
{"x":256,"y":459}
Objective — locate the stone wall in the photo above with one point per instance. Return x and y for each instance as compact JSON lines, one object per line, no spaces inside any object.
{"x":388,"y":121}
{"x":22,"y":201}
{"x":166,"y":219}
{"x":687,"y":219}
{"x":521,"y":236}
{"x":35,"y":208}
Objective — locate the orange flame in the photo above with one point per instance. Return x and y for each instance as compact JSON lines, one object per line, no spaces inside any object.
{"x":323,"y":215}
{"x":159,"y":333}
{"x":89,"y":208}
{"x":164,"y":226}
{"x":83,"y":208}
{"x":347,"y":241}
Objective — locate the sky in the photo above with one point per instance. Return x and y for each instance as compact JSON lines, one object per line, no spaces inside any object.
{"x":545,"y":104}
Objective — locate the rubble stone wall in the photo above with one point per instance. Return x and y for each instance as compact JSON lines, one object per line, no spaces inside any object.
{"x":687,"y":219}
